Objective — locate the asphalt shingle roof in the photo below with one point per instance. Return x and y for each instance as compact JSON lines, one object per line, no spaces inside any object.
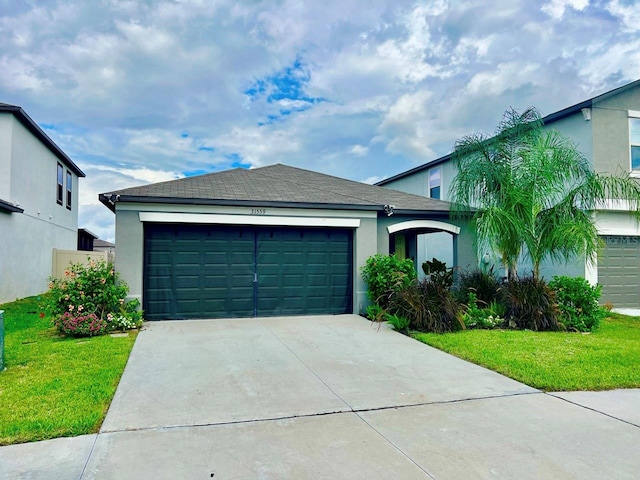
{"x":275,"y":184}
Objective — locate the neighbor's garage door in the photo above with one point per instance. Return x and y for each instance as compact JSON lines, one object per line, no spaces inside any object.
{"x":207,"y":271}
{"x":619,"y":271}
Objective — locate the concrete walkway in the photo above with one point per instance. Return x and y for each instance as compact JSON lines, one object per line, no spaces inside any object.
{"x":331,"y":397}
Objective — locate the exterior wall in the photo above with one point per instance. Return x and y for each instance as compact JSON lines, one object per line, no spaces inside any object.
{"x":130,"y":239}
{"x":28,"y":238}
{"x":611,"y":131}
{"x":579,"y":131}
{"x":418,"y":183}
{"x":6,"y":124}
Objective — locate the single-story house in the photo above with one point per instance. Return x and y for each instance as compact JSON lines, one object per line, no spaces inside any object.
{"x":274,"y":240}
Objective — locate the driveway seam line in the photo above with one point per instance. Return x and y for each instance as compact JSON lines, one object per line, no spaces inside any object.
{"x":86,"y":462}
{"x":306,"y":366}
{"x":396,"y":447}
{"x":593,"y":410}
{"x":320,"y":414}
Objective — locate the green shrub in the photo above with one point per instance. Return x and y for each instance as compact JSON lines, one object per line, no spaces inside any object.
{"x":437,"y":272}
{"x":375,"y":312}
{"x":385,"y":274}
{"x":429,"y":306}
{"x":90,"y":300}
{"x":578,"y":303}
{"x":485,"y":285}
{"x":530,"y":304}
{"x":488,"y":317}
{"x":400,"y":324}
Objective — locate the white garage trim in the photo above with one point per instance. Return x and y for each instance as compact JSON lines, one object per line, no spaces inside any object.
{"x":206,"y":218}
{"x":415,"y":224}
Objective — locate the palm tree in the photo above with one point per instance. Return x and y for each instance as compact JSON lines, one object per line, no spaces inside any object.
{"x":530,"y":191}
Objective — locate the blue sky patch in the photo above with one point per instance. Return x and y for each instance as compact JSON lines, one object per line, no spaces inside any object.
{"x":286,"y":89}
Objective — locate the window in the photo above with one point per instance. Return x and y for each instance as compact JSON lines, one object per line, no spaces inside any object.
{"x":434,"y":183}
{"x":60,"y":188}
{"x":634,"y":136}
{"x":69,"y":189}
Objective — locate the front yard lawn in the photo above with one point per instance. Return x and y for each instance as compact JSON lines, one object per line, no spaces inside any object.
{"x":606,"y":359}
{"x":55,"y":386}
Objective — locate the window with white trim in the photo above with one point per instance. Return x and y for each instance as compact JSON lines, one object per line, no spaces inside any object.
{"x":60,"y":186}
{"x":435,"y":181}
{"x":634,"y":140}
{"x":69,"y":189}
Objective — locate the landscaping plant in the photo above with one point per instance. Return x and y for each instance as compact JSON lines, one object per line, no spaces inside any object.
{"x":487,"y":317}
{"x":529,"y":191}
{"x":438,"y":272}
{"x":485,"y":286}
{"x":90,"y":300}
{"x":385,"y":274}
{"x":375,"y":312}
{"x":400,"y":324}
{"x":428,"y":305}
{"x":578,"y":303}
{"x":530,"y":304}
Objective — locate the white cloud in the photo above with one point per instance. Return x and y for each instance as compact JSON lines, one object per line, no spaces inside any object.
{"x":628,"y":14}
{"x":506,"y":76}
{"x":556,"y":8}
{"x":359,"y":150}
{"x":144,"y":91}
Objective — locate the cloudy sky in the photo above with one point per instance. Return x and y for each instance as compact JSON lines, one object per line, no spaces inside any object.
{"x":138,"y":92}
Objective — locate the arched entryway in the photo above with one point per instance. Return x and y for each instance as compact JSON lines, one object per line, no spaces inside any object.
{"x":423,"y":240}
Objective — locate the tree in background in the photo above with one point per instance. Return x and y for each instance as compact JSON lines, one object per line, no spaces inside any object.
{"x":530,"y":191}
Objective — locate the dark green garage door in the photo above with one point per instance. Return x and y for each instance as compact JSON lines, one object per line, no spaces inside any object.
{"x":207,"y":271}
{"x":619,"y":271}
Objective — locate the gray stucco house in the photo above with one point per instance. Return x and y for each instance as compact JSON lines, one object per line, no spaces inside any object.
{"x":606,"y":129}
{"x":275,"y":240}
{"x":38,"y":204}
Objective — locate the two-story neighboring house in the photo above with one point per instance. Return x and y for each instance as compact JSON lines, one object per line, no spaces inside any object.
{"x":38,"y":204}
{"x":606,"y":129}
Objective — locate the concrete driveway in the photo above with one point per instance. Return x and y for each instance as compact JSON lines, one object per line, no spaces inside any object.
{"x":331,"y":397}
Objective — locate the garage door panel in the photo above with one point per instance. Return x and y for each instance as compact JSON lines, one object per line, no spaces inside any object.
{"x":619,"y":271}
{"x":302,"y":271}
{"x":185,"y":260}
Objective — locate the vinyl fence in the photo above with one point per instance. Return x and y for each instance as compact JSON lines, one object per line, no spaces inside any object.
{"x":62,"y":259}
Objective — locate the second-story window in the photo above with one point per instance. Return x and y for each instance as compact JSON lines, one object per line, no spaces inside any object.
{"x":69,"y":189}
{"x":60,"y":187}
{"x":634,"y":136}
{"x":434,"y":183}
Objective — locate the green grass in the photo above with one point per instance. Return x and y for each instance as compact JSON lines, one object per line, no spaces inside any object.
{"x":606,"y":359}
{"x":54,"y":386}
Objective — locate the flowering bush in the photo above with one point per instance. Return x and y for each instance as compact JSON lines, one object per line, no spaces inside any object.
{"x":88,"y":291}
{"x":80,"y":325}
{"x":487,"y":318}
